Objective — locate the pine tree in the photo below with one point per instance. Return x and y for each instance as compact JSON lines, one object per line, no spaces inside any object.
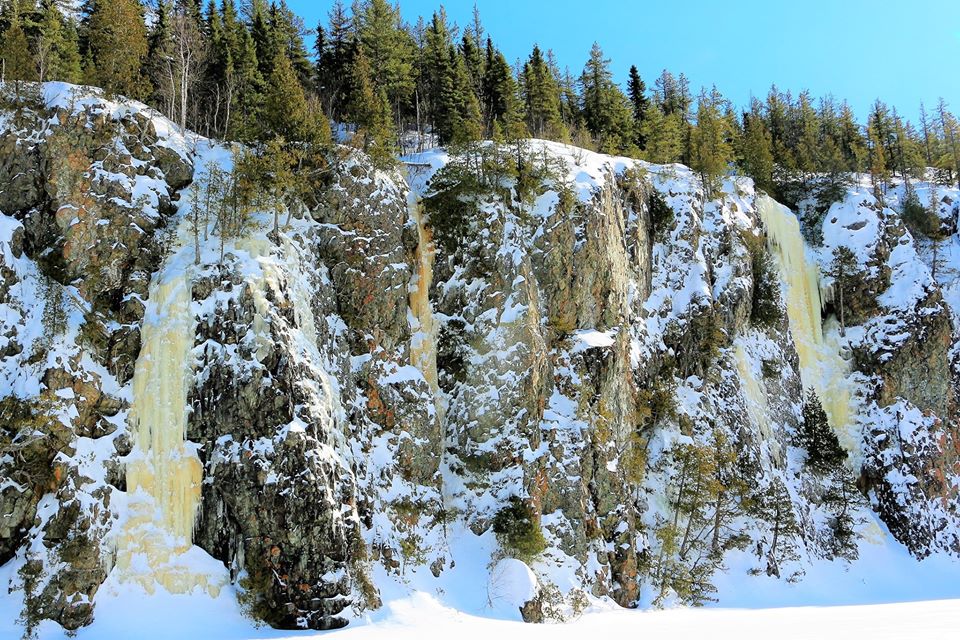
{"x":844,"y":269}
{"x":371,"y":112}
{"x":637,"y":91}
{"x":711,"y":149}
{"x":55,"y":45}
{"x":18,"y":64}
{"x":286,"y":112}
{"x":756,"y":154}
{"x":818,"y":438}
{"x":541,"y":94}
{"x":388,"y":49}
{"x":116,"y":46}
{"x":605,"y":108}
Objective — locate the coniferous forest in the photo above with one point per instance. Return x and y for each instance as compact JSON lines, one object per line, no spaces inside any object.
{"x":247,"y":73}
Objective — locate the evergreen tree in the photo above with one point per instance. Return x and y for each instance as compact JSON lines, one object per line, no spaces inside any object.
{"x":18,"y":64}
{"x":371,"y":112}
{"x":499,"y":89}
{"x":774,"y":506}
{"x":246,"y":79}
{"x":286,"y":112}
{"x":948,"y":125}
{"x":637,"y":91}
{"x":541,"y":94}
{"x":664,"y":136}
{"x":116,"y":46}
{"x":605,"y":109}
{"x":879,"y":172}
{"x":388,"y":49}
{"x":287,"y":32}
{"x":468,"y":125}
{"x":853,"y":146}
{"x":334,"y":52}
{"x":756,"y":153}
{"x":56,"y":47}
{"x":711,"y":149}
{"x":437,"y":73}
{"x":818,"y":438}
{"x":844,"y":269}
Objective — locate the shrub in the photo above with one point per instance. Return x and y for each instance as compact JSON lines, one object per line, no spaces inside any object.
{"x":661,"y":215}
{"x":518,"y":530}
{"x":454,"y":201}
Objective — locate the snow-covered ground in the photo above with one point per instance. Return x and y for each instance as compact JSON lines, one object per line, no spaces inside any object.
{"x":885,"y":594}
{"x":422,"y":615}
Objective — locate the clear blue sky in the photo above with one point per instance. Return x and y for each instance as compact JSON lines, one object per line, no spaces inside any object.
{"x":902,"y":52}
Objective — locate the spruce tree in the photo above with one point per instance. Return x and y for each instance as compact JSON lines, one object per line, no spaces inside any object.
{"x":711,"y":149}
{"x":948,"y":126}
{"x":55,"y":45}
{"x":371,"y":112}
{"x":286,"y":112}
{"x":853,"y":146}
{"x":664,"y":137}
{"x":637,"y":91}
{"x":605,"y":110}
{"x":541,"y":93}
{"x":469,"y":120}
{"x":388,"y":50}
{"x":116,"y":46}
{"x":438,"y":74}
{"x":499,"y":88}
{"x":844,"y":269}
{"x":334,"y":53}
{"x":18,"y":64}
{"x":818,"y":438}
{"x":756,"y":153}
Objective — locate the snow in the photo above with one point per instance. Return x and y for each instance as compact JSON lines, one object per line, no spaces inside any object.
{"x":761,"y":610}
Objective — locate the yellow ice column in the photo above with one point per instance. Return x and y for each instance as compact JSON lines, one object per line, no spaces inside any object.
{"x":821,"y":365}
{"x":163,"y":471}
{"x":423,"y":346}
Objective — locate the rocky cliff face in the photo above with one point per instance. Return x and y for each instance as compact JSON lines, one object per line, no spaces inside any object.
{"x":608,"y":406}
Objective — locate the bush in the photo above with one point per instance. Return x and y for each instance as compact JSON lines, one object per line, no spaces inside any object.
{"x":518,"y":530}
{"x":661,"y":215}
{"x":454,"y":201}
{"x":919,"y":219}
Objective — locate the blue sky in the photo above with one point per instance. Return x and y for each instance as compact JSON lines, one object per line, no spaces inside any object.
{"x":903,"y":52}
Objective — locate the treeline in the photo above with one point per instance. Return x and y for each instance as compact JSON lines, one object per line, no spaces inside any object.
{"x":246,"y":73}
